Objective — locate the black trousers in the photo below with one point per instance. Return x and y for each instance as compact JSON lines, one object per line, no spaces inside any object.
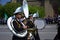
{"x":37,"y":36}
{"x":19,"y":38}
{"x":57,"y":37}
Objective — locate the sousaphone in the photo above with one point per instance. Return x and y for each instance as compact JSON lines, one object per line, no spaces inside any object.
{"x":11,"y":27}
{"x":11,"y":19}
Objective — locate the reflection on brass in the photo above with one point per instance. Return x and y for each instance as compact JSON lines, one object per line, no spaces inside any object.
{"x":31,"y":29}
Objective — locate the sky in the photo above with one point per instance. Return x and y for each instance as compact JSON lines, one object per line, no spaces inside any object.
{"x":3,"y":2}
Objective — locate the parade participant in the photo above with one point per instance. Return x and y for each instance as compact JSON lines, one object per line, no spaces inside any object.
{"x":30,"y":23}
{"x":57,"y":37}
{"x":31,"y":17}
{"x":17,"y":24}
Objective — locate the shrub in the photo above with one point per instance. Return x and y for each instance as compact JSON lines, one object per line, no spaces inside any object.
{"x":34,"y":9}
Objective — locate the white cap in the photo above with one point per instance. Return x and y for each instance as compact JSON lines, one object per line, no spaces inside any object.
{"x":19,"y":9}
{"x":36,"y":14}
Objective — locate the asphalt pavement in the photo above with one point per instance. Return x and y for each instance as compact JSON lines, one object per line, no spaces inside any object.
{"x":48,"y":33}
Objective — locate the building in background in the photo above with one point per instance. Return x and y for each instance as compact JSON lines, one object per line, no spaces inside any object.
{"x":30,"y":2}
{"x":51,"y":6}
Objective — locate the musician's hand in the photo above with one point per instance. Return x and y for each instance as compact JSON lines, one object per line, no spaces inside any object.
{"x":25,"y":27}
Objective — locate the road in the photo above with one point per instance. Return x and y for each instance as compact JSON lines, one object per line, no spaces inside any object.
{"x":48,"y":33}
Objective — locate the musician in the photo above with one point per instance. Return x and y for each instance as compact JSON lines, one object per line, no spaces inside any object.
{"x":31,"y":17}
{"x":57,"y":37}
{"x":17,"y":24}
{"x":30,"y":23}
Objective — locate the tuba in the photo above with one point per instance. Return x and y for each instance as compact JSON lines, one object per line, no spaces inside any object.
{"x":11,"y":19}
{"x":11,"y":27}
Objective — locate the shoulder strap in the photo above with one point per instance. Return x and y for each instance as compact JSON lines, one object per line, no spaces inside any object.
{"x":19,"y":25}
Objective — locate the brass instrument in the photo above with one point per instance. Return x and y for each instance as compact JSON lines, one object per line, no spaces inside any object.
{"x":10,"y":20}
{"x":11,"y":27}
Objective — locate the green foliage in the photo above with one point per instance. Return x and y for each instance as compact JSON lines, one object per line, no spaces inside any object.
{"x":9,"y":8}
{"x":34,"y":9}
{"x":59,"y":10}
{"x":1,"y":11}
{"x":58,"y":1}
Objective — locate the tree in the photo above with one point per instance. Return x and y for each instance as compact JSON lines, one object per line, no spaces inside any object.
{"x":59,"y":10}
{"x":1,"y":11}
{"x":9,"y":8}
{"x":34,"y":9}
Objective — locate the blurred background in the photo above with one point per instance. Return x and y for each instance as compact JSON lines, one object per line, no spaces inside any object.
{"x":48,"y":10}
